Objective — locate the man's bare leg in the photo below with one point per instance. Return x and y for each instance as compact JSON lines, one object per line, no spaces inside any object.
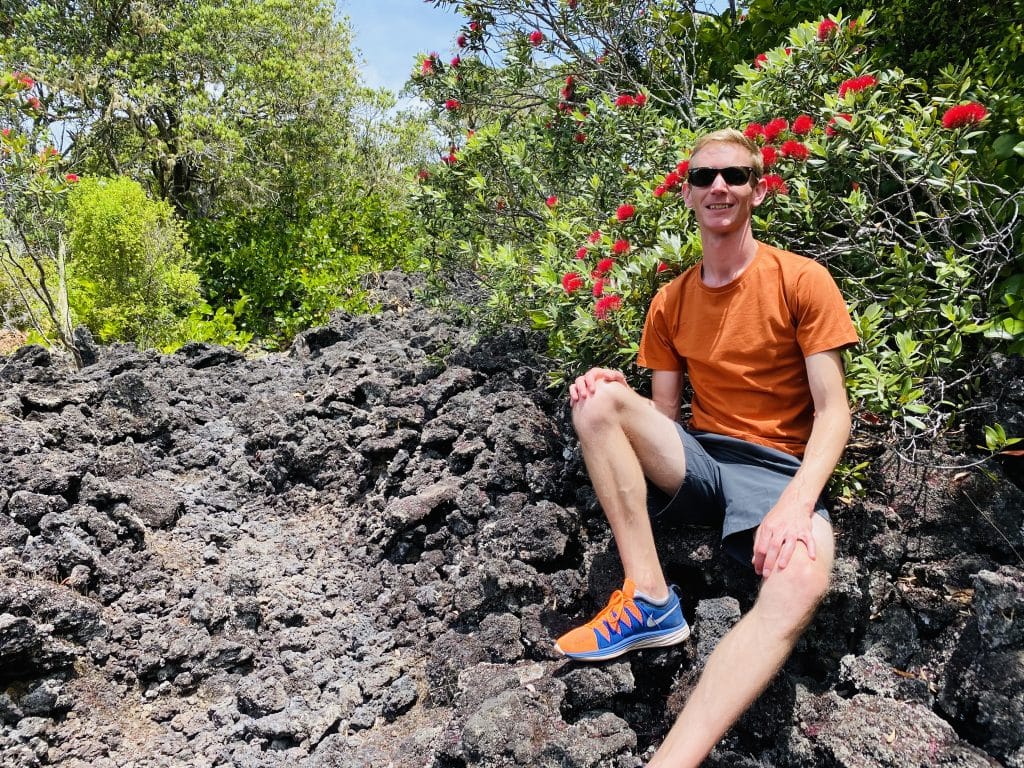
{"x":750,"y":655}
{"x":623,"y":438}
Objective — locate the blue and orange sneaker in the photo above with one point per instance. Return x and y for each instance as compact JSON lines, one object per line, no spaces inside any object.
{"x":628,"y":622}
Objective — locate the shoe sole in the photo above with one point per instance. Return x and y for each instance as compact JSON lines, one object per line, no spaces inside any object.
{"x":649,"y":640}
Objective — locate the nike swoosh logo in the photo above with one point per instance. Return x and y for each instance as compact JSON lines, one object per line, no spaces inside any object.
{"x":655,"y":622}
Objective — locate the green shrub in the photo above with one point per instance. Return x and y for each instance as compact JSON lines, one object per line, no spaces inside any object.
{"x":129,"y":276}
{"x":893,"y":199}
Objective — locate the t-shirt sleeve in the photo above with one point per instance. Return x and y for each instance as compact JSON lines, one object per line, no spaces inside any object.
{"x":822,"y":318}
{"x":656,"y":349}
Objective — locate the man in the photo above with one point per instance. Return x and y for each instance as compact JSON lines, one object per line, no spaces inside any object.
{"x":758,"y":331}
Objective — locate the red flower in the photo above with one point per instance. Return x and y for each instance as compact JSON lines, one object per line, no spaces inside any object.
{"x":625,"y":100}
{"x":640,"y":99}
{"x":450,"y":159}
{"x":660,"y":190}
{"x":581,"y":252}
{"x":474,"y":26}
{"x":803,"y":125}
{"x":598,"y":287}
{"x":571,"y":282}
{"x":760,"y":60}
{"x":423,"y":175}
{"x":605,"y":305}
{"x":572,"y":5}
{"x":604,"y":266}
{"x":461,"y":41}
{"x":456,"y":61}
{"x":580,"y":138}
{"x":452,"y":104}
{"x":856,"y":84}
{"x":620,"y":247}
{"x":34,"y":104}
{"x":845,"y":119}
{"x":536,"y":38}
{"x":552,"y":201}
{"x":753,"y":131}
{"x":427,"y":67}
{"x":964,"y":114}
{"x":775,"y":127}
{"x":673,"y":179}
{"x":795,"y":150}
{"x":682,"y":167}
{"x":826,"y":28}
{"x":594,"y":236}
{"x":769,"y":156}
{"x":662,"y":267}
{"x":71,"y":178}
{"x":625,"y":212}
{"x":776,"y":186}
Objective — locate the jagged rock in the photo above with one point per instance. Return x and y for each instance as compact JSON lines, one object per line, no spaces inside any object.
{"x":359,"y":553}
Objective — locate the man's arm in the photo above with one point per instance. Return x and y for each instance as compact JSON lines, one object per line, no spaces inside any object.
{"x":667,"y":392}
{"x":789,"y":521}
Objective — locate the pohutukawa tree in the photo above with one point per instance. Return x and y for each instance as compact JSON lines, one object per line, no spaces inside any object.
{"x":869,"y":171}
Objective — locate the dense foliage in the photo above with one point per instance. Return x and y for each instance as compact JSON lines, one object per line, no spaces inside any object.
{"x":249,"y":120}
{"x":564,"y":194}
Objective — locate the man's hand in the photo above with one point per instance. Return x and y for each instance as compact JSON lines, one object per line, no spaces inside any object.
{"x":779,"y":534}
{"x":586,"y":385}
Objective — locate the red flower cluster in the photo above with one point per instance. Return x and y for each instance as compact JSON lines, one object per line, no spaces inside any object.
{"x":620,"y":247}
{"x":71,"y":178}
{"x":552,"y":201}
{"x":450,"y":159}
{"x":964,"y":114}
{"x":461,"y":40}
{"x":753,"y":131}
{"x":580,"y":137}
{"x":536,"y":38}
{"x":760,"y":60}
{"x":775,"y":183}
{"x":456,"y":61}
{"x":581,"y":252}
{"x":606,"y":305}
{"x":427,"y":67}
{"x":422,"y":175}
{"x":571,"y":282}
{"x":625,"y":100}
{"x":452,"y":104}
{"x":22,"y":79}
{"x":844,"y":121}
{"x":795,"y":150}
{"x":774,"y":127}
{"x":594,"y":236}
{"x":769,"y":156}
{"x":625,"y":212}
{"x":604,"y":266}
{"x":803,"y":125}
{"x":855,"y":84}
{"x":673,"y":179}
{"x":570,"y":86}
{"x":826,"y":28}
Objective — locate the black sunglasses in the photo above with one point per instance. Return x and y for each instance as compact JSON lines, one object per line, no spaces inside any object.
{"x":734,"y":175}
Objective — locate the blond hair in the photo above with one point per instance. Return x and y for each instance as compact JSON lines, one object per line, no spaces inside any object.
{"x":732,"y":136}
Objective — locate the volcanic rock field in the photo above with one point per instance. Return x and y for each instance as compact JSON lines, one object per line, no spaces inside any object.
{"x":358,"y":553}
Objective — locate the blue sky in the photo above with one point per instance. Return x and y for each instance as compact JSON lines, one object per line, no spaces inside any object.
{"x":389,"y":33}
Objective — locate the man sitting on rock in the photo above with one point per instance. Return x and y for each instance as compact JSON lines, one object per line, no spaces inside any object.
{"x":758,"y":331}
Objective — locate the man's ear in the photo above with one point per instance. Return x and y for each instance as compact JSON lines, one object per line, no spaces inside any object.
{"x":686,"y":195}
{"x":760,"y":192}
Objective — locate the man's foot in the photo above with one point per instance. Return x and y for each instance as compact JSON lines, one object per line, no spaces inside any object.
{"x":625,"y":624}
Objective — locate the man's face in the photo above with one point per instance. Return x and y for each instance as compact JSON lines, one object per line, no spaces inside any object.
{"x":721,"y":208}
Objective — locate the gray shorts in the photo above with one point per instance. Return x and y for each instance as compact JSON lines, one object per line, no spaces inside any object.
{"x":729,"y":483}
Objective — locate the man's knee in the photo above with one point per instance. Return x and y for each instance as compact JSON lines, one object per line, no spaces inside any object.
{"x":600,"y":409}
{"x":792,"y":595}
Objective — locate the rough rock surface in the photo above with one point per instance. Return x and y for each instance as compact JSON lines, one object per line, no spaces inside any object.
{"x":357,"y":554}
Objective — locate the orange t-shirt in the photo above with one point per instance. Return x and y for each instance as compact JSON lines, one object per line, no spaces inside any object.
{"x":743,"y":345}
